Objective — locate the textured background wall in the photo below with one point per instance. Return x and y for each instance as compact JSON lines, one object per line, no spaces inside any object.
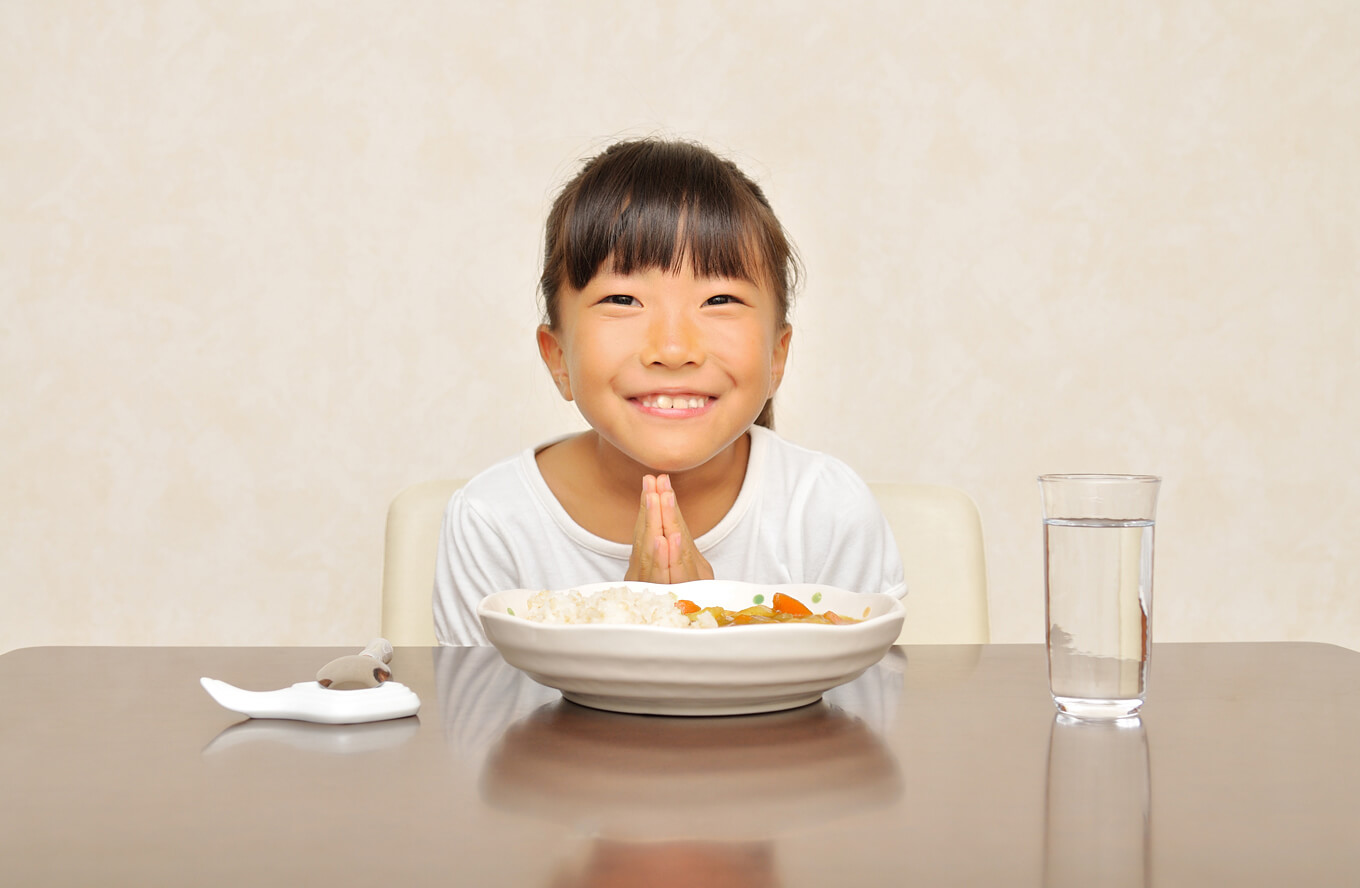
{"x":264,"y":264}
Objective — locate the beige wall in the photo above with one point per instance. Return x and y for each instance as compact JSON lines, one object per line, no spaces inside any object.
{"x":264,"y":264}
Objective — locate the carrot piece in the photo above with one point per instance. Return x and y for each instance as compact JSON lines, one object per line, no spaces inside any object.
{"x":786,"y":604}
{"x":685,"y":606}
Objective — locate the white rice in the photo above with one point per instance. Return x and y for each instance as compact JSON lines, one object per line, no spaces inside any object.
{"x":617,"y":604}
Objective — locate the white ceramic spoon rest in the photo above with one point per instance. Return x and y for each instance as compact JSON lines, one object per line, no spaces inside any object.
{"x":348,"y":690}
{"x":309,"y":701}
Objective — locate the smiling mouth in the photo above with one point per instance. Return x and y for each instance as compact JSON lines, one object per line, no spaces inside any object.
{"x":674,"y":402}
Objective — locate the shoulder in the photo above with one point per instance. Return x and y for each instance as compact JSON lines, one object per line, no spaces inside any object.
{"x":829,"y":517}
{"x":496,"y":481}
{"x":504,"y":492}
{"x":806,"y":474}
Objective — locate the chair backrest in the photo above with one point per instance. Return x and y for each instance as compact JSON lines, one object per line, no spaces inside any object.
{"x":937,"y":530}
{"x":939,"y":534}
{"x":413,"y":523}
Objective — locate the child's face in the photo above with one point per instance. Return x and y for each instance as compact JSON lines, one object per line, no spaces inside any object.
{"x":669,"y":369}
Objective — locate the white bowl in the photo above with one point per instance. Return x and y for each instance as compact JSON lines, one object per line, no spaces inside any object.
{"x":675,"y":671}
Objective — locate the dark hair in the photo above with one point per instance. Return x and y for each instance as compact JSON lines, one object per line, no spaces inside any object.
{"x":660,"y":204}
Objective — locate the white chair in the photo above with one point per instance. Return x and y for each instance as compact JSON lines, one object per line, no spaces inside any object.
{"x":939,"y":535}
{"x":413,"y":523}
{"x":937,"y":530}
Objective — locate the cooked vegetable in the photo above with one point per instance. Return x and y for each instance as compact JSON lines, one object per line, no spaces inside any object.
{"x":782,"y":609}
{"x":787,"y":604}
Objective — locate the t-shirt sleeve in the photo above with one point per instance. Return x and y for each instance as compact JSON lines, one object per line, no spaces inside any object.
{"x":848,"y":543}
{"x":473,"y":562}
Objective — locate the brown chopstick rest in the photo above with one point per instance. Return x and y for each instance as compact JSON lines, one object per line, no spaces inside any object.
{"x":366,"y":669}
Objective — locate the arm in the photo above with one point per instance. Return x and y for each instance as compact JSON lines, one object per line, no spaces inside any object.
{"x":473,"y":561}
{"x":846,"y":539}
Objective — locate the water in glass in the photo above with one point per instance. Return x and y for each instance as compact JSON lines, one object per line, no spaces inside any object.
{"x":1099,"y":582}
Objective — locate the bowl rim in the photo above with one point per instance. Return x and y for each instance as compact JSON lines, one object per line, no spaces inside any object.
{"x":488,"y":608}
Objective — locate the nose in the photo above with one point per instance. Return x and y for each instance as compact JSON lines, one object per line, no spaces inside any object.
{"x":673,"y":340}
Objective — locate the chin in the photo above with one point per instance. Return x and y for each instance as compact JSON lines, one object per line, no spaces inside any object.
{"x":674,"y":465}
{"x":670,"y":461}
{"x":671,"y":452}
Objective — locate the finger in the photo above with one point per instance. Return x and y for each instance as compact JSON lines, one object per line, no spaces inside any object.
{"x":656,"y":519}
{"x":651,"y":558}
{"x":661,"y":560}
{"x":648,"y":524}
{"x":656,"y":541}
{"x":675,"y":553}
{"x":691,"y":565}
{"x":671,"y":522}
{"x":662,"y":485}
{"x":649,"y":561}
{"x":687,"y":563}
{"x":639,"y":557}
{"x":639,"y":564}
{"x":677,"y":519}
{"x":640,"y":525}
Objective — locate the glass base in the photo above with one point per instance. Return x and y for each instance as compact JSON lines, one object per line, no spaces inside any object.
{"x":1092,"y":709}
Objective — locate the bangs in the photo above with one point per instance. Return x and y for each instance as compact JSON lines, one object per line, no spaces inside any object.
{"x":665,"y":228}
{"x":664,"y":205}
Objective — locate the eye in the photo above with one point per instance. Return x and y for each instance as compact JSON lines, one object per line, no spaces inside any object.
{"x":618,"y":299}
{"x":723,"y":299}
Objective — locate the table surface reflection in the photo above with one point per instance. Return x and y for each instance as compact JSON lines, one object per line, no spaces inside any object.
{"x":941,"y":765}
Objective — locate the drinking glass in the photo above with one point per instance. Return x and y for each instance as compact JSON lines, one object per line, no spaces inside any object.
{"x":1098,"y":543}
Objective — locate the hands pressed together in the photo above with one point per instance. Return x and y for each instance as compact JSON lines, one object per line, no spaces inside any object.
{"x":663,"y":550}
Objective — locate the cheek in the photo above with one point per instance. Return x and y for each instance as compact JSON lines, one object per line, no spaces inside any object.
{"x":591,"y":357}
{"x":752,"y":350}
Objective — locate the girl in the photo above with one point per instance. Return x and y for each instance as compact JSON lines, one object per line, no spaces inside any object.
{"x":666,"y":283}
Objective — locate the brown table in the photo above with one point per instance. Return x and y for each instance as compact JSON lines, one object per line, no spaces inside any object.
{"x":940,"y":766}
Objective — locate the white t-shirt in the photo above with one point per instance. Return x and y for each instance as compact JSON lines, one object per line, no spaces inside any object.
{"x":801,"y":517}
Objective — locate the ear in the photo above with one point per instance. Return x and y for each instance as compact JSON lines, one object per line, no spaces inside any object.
{"x":780,"y":358}
{"x":554,"y":358}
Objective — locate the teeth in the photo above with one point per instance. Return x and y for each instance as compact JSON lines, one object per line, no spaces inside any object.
{"x":668,"y":402}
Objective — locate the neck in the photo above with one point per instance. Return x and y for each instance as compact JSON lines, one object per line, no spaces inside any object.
{"x":622,"y":475}
{"x":600,"y":487}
